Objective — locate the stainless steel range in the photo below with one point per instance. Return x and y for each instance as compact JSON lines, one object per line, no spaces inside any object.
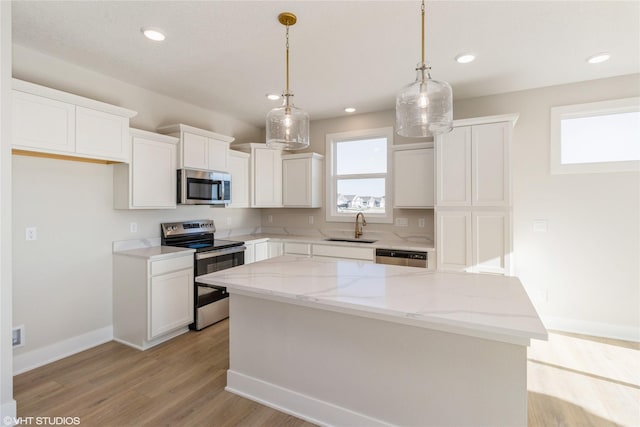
{"x":211,"y":302}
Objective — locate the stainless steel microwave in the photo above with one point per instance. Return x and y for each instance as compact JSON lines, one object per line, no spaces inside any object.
{"x":203,"y":187}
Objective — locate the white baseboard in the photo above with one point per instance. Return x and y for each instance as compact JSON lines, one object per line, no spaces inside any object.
{"x":33,"y":359}
{"x":596,"y":329}
{"x":293,"y":403}
{"x":8,"y":412}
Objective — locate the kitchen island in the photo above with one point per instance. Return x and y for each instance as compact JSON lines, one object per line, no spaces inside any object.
{"x":340,"y":342}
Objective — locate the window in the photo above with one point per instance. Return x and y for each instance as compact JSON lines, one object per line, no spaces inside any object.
{"x":357,"y":175}
{"x":596,"y":137}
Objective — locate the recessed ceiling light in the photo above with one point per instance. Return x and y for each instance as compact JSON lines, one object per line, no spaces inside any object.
{"x":465,"y":58}
{"x":598,"y":58}
{"x":153,"y":34}
{"x":349,"y":110}
{"x":273,"y":97}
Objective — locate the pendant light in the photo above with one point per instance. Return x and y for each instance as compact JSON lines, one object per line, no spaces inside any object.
{"x":424,"y":108}
{"x":287,"y":125}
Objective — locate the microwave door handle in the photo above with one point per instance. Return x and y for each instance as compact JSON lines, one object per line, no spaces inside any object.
{"x":221,"y":190}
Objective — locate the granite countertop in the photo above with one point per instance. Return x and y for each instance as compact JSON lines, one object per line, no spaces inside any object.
{"x":155,"y":253}
{"x":481,"y":305}
{"x":381,"y":243}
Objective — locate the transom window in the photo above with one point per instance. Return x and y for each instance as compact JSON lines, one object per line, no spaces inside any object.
{"x":357,"y":171}
{"x":596,"y":137}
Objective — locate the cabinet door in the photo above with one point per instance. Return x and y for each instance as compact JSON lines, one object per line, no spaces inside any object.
{"x":153,"y":174}
{"x":43,"y":123}
{"x":267,"y":178}
{"x":103,"y":135}
{"x":490,"y":164}
{"x":261,"y":251}
{"x":275,"y":249}
{"x":490,"y":242}
{"x":413,"y":176}
{"x":170,"y":302}
{"x":453,"y":159}
{"x":195,"y":151}
{"x":218,"y":155}
{"x":453,"y":237}
{"x":249,"y":253}
{"x":239,"y":170}
{"x":296,"y":182}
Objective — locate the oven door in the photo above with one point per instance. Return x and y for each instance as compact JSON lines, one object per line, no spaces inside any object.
{"x":209,"y":262}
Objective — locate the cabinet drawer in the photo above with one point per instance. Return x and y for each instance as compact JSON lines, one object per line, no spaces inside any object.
{"x":171,"y":264}
{"x":343,"y":252}
{"x":297,"y":248}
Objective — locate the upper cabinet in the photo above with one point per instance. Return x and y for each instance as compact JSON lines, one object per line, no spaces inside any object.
{"x":199,"y":148}
{"x":239,"y":170}
{"x":413,"y":176}
{"x":50,"y":121}
{"x":265,"y":175}
{"x":473,"y":165}
{"x":302,"y":180}
{"x":149,"y":180}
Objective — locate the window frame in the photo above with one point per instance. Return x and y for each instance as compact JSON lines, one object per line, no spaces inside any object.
{"x":332,"y":139}
{"x":592,"y":109}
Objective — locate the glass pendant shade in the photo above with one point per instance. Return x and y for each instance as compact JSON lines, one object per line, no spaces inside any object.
{"x":425,"y":107}
{"x":287,"y":127}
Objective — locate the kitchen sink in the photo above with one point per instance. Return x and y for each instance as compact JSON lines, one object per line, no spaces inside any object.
{"x":337,"y":239}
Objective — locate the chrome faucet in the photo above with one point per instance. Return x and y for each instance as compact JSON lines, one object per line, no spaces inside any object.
{"x":359,"y":228}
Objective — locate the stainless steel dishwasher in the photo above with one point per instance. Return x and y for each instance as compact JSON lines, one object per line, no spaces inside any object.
{"x":399,"y":257}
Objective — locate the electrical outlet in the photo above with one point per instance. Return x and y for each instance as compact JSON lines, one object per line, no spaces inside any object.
{"x":270,"y":219}
{"x":421,"y":222}
{"x":402,"y":222}
{"x":228,"y":221}
{"x":133,"y":227}
{"x":17,"y":336}
{"x":540,"y":225}
{"x":31,"y":233}
{"x":310,"y":219}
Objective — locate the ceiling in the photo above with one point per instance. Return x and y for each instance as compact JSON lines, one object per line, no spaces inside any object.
{"x":227,"y":55}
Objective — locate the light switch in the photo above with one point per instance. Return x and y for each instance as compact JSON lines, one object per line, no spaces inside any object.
{"x":31,"y":233}
{"x":540,"y":225}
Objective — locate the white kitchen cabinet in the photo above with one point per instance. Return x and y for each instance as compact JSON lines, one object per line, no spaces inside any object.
{"x":348,"y":252}
{"x":453,"y":240}
{"x":473,"y":196}
{"x":473,"y":165}
{"x":261,"y":251}
{"x":266,"y":175}
{"x":413,"y":176}
{"x":275,"y":248}
{"x":250,"y":252}
{"x":239,"y":170}
{"x":53,"y":122}
{"x":302,"y":180}
{"x":152,"y":298}
{"x":149,"y":180}
{"x":476,"y":241}
{"x":297,"y":248}
{"x":200,"y":149}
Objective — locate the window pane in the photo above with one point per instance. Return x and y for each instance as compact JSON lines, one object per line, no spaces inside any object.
{"x":361,"y":156}
{"x":605,"y":138}
{"x":367,"y":195}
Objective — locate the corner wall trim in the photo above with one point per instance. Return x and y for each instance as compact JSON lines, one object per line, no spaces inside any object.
{"x":59,"y":350}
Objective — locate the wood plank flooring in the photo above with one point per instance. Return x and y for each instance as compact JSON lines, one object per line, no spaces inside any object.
{"x":573,"y":381}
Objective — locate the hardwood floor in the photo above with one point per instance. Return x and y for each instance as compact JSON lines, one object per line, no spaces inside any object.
{"x":573,"y":381}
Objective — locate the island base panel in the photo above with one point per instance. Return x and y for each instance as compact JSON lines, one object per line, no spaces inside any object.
{"x":340,"y":369}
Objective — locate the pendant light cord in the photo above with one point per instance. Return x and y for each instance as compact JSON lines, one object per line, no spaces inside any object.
{"x":287,"y":60}
{"x":422,"y":10}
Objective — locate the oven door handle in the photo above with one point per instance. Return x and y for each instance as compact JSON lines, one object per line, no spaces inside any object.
{"x":226,"y":251}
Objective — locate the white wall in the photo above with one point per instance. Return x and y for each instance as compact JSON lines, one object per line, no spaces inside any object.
{"x":583,"y":275}
{"x":62,"y":281}
{"x":7,"y":404}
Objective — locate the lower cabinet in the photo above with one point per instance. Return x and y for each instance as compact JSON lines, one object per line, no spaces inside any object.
{"x":152,"y":299}
{"x":335,"y":251}
{"x":473,"y":241}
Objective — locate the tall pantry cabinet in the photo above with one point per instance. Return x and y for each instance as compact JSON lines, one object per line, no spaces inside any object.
{"x":473,"y":196}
